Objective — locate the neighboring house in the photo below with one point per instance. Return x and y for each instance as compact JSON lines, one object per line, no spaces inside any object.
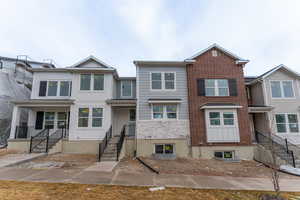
{"x":15,"y":84}
{"x":162,"y":105}
{"x":218,"y":106}
{"x":275,"y":98}
{"x":82,"y":102}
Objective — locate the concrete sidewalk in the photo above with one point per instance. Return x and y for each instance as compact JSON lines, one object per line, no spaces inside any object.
{"x":15,"y":159}
{"x":145,"y":179}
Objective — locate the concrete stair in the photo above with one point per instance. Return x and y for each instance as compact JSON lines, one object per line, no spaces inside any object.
{"x":110,"y":152}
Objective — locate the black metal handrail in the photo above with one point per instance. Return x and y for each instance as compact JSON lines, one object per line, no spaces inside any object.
{"x":38,"y":139}
{"x":120,"y":142}
{"x":103,"y":144}
{"x":21,"y":132}
{"x":278,"y":145}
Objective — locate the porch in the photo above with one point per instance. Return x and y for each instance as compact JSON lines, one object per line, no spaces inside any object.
{"x":43,"y":117}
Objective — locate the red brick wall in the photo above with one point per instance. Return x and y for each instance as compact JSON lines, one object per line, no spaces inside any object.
{"x":220,"y":67}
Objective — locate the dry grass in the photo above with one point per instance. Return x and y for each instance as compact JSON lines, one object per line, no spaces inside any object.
{"x":11,"y":190}
{"x":212,"y":167}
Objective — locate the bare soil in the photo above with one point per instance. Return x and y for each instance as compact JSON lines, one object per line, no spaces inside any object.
{"x":11,"y":190}
{"x":132,"y":166}
{"x":68,"y":161}
{"x":212,"y":167}
{"x":5,"y":151}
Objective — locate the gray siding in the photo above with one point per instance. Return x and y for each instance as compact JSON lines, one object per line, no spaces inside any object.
{"x":145,"y":91}
{"x":118,"y":87}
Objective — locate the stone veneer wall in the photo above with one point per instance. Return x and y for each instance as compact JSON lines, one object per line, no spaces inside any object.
{"x":163,"y":129}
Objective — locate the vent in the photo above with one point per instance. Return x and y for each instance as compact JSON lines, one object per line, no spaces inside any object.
{"x":214,"y":53}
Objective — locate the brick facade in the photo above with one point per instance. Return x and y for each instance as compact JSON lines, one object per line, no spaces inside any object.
{"x":219,"y":67}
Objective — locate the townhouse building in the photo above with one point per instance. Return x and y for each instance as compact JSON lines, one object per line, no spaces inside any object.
{"x":201,"y":107}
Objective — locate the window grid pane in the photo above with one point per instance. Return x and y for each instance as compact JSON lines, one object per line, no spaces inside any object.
{"x":158,"y":111}
{"x":85,"y":81}
{"x":64,"y":88}
{"x":288,"y":89}
{"x":276,"y":89}
{"x":98,"y":81}
{"x":169,"y":81}
{"x":171,"y":111}
{"x":83,"y":117}
{"x":52,"y":88}
{"x":214,"y":118}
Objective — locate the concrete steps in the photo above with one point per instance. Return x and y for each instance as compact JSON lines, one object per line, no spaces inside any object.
{"x":110,"y":153}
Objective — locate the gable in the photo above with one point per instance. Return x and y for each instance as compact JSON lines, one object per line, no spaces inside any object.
{"x":90,"y":64}
{"x":281,"y":74}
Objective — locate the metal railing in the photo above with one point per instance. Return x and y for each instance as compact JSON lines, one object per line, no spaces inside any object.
{"x":278,"y":145}
{"x":104,"y":142}
{"x":38,"y":139}
{"x":21,"y":132}
{"x":120,"y":142}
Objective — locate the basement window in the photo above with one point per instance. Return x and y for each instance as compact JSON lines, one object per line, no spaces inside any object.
{"x":164,"y":148}
{"x":224,"y":155}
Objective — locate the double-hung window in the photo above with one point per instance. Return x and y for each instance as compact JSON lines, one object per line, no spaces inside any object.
{"x":52,"y":88}
{"x":163,"y":81}
{"x":83,"y":117}
{"x":282,"y":89}
{"x":164,"y":111}
{"x":126,"y":88}
{"x":64,"y":88}
{"x":216,"y":87}
{"x":94,"y":82}
{"x":287,"y":123}
{"x":49,"y":120}
{"x":97,"y":117}
{"x":221,"y":118}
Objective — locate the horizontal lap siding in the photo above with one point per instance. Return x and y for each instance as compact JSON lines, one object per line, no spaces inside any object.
{"x":145,"y":91}
{"x":220,"y":67}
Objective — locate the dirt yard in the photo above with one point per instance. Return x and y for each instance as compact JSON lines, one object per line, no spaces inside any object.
{"x":68,"y":161}
{"x":11,"y":190}
{"x":5,"y":151}
{"x":207,"y":167}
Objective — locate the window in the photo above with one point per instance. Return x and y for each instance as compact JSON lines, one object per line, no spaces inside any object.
{"x":214,"y":118}
{"x":282,"y":89}
{"x":64,"y":88}
{"x":132,"y":114}
{"x":52,"y":88}
{"x":85,"y":81}
{"x":83,"y":117}
{"x":169,"y":81}
{"x":216,"y":87}
{"x":214,"y":53}
{"x":163,"y":81}
{"x":171,"y":111}
{"x":287,"y":123}
{"x":126,"y":88}
{"x":98,"y":81}
{"x":164,"y":149}
{"x":61,"y":119}
{"x":97,"y":117}
{"x":158,"y":111}
{"x":221,"y":118}
{"x":156,"y":81}
{"x":228,"y":118}
{"x":224,"y":155}
{"x":49,"y":120}
{"x":1,"y":64}
{"x":164,"y":111}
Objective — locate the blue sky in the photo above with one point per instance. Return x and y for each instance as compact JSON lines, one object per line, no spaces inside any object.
{"x":119,"y":31}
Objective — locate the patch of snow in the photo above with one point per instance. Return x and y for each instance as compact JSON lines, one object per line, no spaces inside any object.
{"x":156,"y":189}
{"x":290,"y":169}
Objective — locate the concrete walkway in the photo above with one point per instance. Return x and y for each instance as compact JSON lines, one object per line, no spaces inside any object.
{"x":14,"y":159}
{"x":144,"y":179}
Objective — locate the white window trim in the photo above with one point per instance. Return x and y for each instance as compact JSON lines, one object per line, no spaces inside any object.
{"x":216,"y":88}
{"x":222,"y":119}
{"x":92,"y":83}
{"x":281,"y":89}
{"x":287,"y":124}
{"x":165,"y":118}
{"x":163,"y":88}
{"x":90,"y":117}
{"x":58,"y":88}
{"x":131,"y":90}
{"x":174,"y":150}
{"x":223,"y":151}
{"x":54,"y":120}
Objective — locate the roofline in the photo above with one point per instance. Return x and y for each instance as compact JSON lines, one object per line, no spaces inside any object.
{"x":30,"y":61}
{"x":69,"y":69}
{"x":239,"y":59}
{"x":165,"y":62}
{"x":91,"y":57}
{"x":259,"y":78}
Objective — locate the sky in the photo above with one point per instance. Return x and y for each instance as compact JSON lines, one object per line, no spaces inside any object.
{"x":267,"y":32}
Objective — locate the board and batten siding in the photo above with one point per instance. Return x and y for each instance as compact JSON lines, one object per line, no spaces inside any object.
{"x":146,"y":93}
